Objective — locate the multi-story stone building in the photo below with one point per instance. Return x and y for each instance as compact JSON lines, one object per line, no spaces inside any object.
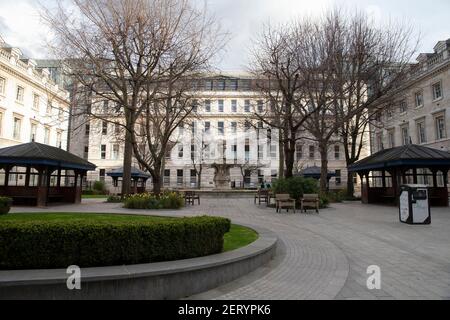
{"x":419,"y":113}
{"x":32,"y":106}
{"x":220,"y":129}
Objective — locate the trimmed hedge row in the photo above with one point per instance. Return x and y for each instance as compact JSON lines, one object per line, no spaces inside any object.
{"x":150,"y":201}
{"x":47,"y":245}
{"x":5,"y":205}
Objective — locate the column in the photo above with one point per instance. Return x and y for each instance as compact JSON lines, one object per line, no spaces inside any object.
{"x":27,"y":176}
{"x":58,"y":183}
{"x":435,"y":184}
{"x":42,"y":191}
{"x":7,"y":170}
{"x":78,"y":189}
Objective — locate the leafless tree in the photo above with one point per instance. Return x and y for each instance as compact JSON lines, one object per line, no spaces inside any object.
{"x":121,"y":51}
{"x":370,"y":63}
{"x":324,"y":75}
{"x":154,"y":139}
{"x":195,"y":43}
{"x":279,"y":66}
{"x":199,"y":153}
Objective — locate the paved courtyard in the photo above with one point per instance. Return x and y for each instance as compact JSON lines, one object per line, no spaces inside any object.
{"x":326,"y":256}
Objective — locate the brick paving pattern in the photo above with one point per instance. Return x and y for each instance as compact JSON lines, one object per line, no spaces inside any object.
{"x":326,"y":256}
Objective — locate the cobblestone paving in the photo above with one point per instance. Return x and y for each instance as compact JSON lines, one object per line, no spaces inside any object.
{"x":326,"y":256}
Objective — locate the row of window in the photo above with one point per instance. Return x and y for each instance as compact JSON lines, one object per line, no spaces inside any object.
{"x":422,"y":135}
{"x":18,"y":130}
{"x":222,"y":85}
{"x":312,"y":152}
{"x":209,"y":153}
{"x":220,"y":127}
{"x":233,"y":107}
{"x":105,"y":128}
{"x":20,"y":98}
{"x":115,"y":152}
{"x":436,"y":92}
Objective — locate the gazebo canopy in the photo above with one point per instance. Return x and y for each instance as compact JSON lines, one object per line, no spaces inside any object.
{"x":314,"y":172}
{"x":135,"y":173}
{"x":405,"y":156}
{"x":383,"y":173}
{"x":39,"y":174}
{"x":36,"y":154}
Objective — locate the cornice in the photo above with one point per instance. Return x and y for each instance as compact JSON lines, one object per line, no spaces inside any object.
{"x":11,"y":71}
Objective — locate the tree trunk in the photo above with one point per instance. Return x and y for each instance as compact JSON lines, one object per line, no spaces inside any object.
{"x":157,"y":183}
{"x":290,"y":160}
{"x":281,"y":156}
{"x":324,"y":169}
{"x":127,"y":162}
{"x":199,"y":181}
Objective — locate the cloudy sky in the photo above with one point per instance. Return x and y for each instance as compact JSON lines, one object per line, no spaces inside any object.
{"x":20,"y":24}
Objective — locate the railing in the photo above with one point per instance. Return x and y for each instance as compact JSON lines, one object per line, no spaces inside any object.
{"x":436,"y":59}
{"x":425,"y":66}
{"x":5,"y":55}
{"x":35,"y":75}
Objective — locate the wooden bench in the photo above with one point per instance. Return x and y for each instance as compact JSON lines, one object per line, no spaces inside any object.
{"x":190,"y":197}
{"x":262,"y":196}
{"x":310,"y":201}
{"x":284,"y":201}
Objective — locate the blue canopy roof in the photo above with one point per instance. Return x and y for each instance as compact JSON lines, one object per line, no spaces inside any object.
{"x":408,"y":155}
{"x":314,"y":172}
{"x":135,"y":173}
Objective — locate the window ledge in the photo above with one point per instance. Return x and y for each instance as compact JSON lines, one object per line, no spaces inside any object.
{"x":438,"y":99}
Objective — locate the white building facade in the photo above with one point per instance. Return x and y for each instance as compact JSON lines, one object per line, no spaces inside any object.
{"x":218,"y":130}
{"x":420,"y":113}
{"x":32,"y":106}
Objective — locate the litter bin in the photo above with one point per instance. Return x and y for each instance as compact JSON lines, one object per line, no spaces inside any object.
{"x":415,"y":204}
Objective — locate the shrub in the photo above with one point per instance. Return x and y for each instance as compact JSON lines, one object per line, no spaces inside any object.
{"x":114,"y":199}
{"x":88,"y":192}
{"x":5,"y":205}
{"x":150,"y":201}
{"x":296,"y":187}
{"x":324,"y":201}
{"x":336,"y":196}
{"x":100,"y":187}
{"x":47,"y":244}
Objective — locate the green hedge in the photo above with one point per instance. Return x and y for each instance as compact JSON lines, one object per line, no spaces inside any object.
{"x":5,"y":205}
{"x":86,"y":243}
{"x":296,"y":187}
{"x":114,"y":199}
{"x":166,"y":200}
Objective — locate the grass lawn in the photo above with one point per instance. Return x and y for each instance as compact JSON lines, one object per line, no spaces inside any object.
{"x":238,"y":236}
{"x":92,"y":196}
